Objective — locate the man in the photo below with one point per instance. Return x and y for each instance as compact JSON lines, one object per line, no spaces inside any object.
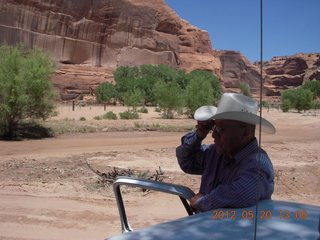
{"x":235,"y":171}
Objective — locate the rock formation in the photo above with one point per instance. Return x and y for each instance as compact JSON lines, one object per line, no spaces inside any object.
{"x":237,"y":69}
{"x":291,"y":71}
{"x":90,"y":39}
{"x":107,"y":34}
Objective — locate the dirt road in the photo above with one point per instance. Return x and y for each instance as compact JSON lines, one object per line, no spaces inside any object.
{"x":48,"y":192}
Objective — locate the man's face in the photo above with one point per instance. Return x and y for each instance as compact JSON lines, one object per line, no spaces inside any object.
{"x":228,"y":136}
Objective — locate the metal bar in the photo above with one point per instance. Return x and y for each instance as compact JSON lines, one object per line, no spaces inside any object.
{"x":183,"y":192}
{"x":186,"y":206}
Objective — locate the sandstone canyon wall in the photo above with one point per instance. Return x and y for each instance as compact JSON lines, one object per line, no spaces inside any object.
{"x":107,"y":34}
{"x":290,"y":71}
{"x":237,"y":69}
{"x":91,"y":38}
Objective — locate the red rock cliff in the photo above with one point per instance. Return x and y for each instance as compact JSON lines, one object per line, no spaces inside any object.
{"x":291,"y":71}
{"x":105,"y":33}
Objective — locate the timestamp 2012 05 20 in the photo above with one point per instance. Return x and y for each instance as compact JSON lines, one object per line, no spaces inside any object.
{"x":261,"y":214}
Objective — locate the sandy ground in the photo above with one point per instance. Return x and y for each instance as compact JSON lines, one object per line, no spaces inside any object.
{"x":48,"y":192}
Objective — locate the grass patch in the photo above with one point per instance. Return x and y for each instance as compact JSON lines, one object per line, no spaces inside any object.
{"x":162,"y":128}
{"x":59,"y":127}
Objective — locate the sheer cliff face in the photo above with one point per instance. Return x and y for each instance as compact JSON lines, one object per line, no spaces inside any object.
{"x":237,"y":69}
{"x":107,"y":33}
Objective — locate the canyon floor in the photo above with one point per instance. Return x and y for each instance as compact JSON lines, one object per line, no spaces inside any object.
{"x":48,"y":192}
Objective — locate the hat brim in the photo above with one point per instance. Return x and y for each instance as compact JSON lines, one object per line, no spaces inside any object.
{"x":246,"y":117}
{"x":205,"y":113}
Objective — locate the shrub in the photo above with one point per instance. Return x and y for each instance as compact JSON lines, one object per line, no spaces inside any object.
{"x":143,"y":110}
{"x":97,"y":118}
{"x":245,"y":89}
{"x":265,"y":104}
{"x":82,"y":119}
{"x":25,"y":87}
{"x":129,"y":115}
{"x":110,"y":115}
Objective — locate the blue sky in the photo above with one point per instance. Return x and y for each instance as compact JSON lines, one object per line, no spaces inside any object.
{"x":289,"y":26}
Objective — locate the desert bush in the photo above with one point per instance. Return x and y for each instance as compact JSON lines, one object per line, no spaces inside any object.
{"x":129,"y":115}
{"x":245,"y":89}
{"x":143,"y":110}
{"x":82,"y":119}
{"x":110,"y":115}
{"x":265,"y":104}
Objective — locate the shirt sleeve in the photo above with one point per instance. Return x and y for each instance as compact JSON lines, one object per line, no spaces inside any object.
{"x":191,"y":154}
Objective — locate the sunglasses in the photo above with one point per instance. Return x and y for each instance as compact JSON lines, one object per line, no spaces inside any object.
{"x":221,"y":130}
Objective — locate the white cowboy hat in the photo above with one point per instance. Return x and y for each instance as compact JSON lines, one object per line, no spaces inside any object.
{"x":204,"y":113}
{"x":235,"y":106}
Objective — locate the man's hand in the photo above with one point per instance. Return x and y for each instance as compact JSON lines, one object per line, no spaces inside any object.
{"x":203,"y":128}
{"x":194,"y":199}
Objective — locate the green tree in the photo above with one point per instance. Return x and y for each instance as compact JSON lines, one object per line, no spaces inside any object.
{"x":169,"y":96}
{"x":198,"y":92}
{"x":125,"y":78}
{"x":134,"y":98}
{"x":105,"y":92}
{"x":300,"y":99}
{"x":245,"y":89}
{"x":286,"y":105}
{"x":204,"y":76}
{"x":25,"y":87}
{"x":313,"y":86}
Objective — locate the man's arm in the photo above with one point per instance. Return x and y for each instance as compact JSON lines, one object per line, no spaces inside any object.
{"x":191,"y":154}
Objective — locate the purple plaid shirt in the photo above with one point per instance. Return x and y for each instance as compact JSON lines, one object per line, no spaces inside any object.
{"x":227,"y":182}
